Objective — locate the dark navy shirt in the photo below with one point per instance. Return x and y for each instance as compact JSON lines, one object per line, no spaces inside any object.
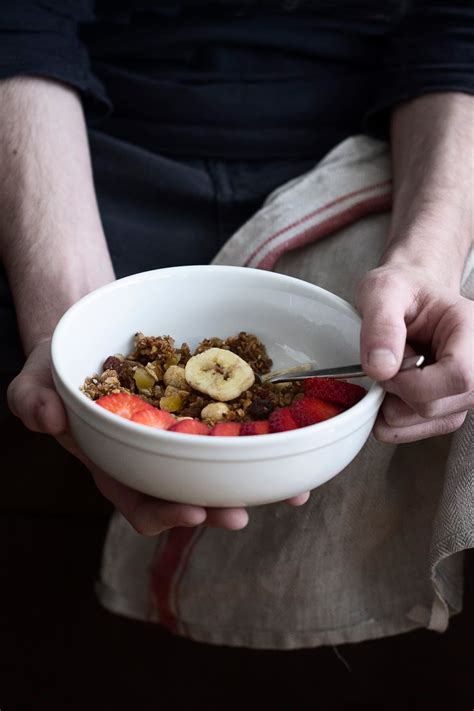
{"x":241,"y":79}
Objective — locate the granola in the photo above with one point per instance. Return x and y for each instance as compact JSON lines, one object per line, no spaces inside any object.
{"x":155,"y":371}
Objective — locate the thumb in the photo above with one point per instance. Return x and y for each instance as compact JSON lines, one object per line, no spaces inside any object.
{"x":32,"y":397}
{"x":383,"y":332}
{"x":39,"y":408}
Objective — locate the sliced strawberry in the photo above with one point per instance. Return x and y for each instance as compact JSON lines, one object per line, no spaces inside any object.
{"x":226,"y":429}
{"x":310,"y":410}
{"x":282,"y":420}
{"x":256,"y":427}
{"x":194,"y":427}
{"x":123,"y":404}
{"x":159,"y":419}
{"x":338,"y":392}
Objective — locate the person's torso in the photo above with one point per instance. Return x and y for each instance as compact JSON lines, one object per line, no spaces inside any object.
{"x":239,"y":79}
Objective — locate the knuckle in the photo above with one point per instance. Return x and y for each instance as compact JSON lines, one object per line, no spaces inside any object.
{"x":383,"y":432}
{"x":462,"y":378}
{"x":385,"y":280}
{"x":427,"y":410}
{"x":391,"y":413}
{"x":374,"y":280}
{"x":390,"y":417}
{"x":449,"y":424}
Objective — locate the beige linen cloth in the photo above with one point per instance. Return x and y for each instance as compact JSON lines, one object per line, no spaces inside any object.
{"x":378,"y":549}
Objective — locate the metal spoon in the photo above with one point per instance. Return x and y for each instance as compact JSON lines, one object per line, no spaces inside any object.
{"x":305,"y":371}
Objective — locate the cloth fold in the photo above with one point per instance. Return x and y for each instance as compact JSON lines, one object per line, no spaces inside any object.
{"x":378,"y":549}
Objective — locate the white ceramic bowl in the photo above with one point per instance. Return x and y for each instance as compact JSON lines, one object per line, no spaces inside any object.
{"x":297,"y":322}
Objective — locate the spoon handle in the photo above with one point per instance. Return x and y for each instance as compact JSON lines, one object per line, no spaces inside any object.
{"x":347,"y":371}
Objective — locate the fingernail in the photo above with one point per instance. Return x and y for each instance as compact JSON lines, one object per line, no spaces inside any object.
{"x":381,"y":358}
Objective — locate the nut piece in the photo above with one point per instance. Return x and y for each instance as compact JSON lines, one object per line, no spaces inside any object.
{"x":215,"y":411}
{"x":221,"y":374}
{"x":175,"y":376}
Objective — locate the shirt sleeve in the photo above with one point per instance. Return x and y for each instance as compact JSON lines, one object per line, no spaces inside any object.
{"x":430,"y":49}
{"x":41,"y":38}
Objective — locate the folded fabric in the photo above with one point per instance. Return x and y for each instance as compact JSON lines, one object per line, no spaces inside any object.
{"x":378,"y":549}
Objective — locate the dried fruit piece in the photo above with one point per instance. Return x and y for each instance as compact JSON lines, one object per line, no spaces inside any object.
{"x":112,"y":363}
{"x":126,"y":375}
{"x":171,"y":361}
{"x":309,"y":411}
{"x":123,"y":404}
{"x":260,"y":409}
{"x":255,"y":427}
{"x":282,"y":420}
{"x":143,"y":379}
{"x":154,"y":418}
{"x":226,"y":429}
{"x":339,"y":392}
{"x":221,"y":374}
{"x":171,"y":403}
{"x":194,"y":427}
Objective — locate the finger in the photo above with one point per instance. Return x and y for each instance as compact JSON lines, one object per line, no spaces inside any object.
{"x":383,"y":330}
{"x":299,"y":500}
{"x":148,"y":516}
{"x":401,"y":414}
{"x":444,"y":379}
{"x":151,"y":516}
{"x":232,"y":519}
{"x":433,"y":428}
{"x":452,"y":374}
{"x":67,"y":441}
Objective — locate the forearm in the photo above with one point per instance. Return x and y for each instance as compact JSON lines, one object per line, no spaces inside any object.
{"x":51,"y":239}
{"x":433,"y":158}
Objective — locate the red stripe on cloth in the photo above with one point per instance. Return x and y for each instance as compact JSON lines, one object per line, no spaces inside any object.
{"x":167,"y":572}
{"x":319,"y":210}
{"x":184,"y":565}
{"x":325,"y":228}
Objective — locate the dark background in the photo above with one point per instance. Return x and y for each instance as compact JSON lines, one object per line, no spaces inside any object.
{"x":60,"y":650}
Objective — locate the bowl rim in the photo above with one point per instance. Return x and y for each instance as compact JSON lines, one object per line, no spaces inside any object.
{"x":87,"y":410}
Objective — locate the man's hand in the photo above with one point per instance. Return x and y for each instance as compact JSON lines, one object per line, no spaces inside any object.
{"x":414,"y":296}
{"x":32,"y":398}
{"x":400,"y":305}
{"x":55,"y":252}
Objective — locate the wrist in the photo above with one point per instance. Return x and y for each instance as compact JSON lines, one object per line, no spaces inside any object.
{"x":43,"y":289}
{"x":438,"y":265}
{"x":432,"y":221}
{"x":430,"y":239}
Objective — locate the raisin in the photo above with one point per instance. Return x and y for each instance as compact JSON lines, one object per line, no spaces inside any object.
{"x":260,"y":409}
{"x":112,"y":363}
